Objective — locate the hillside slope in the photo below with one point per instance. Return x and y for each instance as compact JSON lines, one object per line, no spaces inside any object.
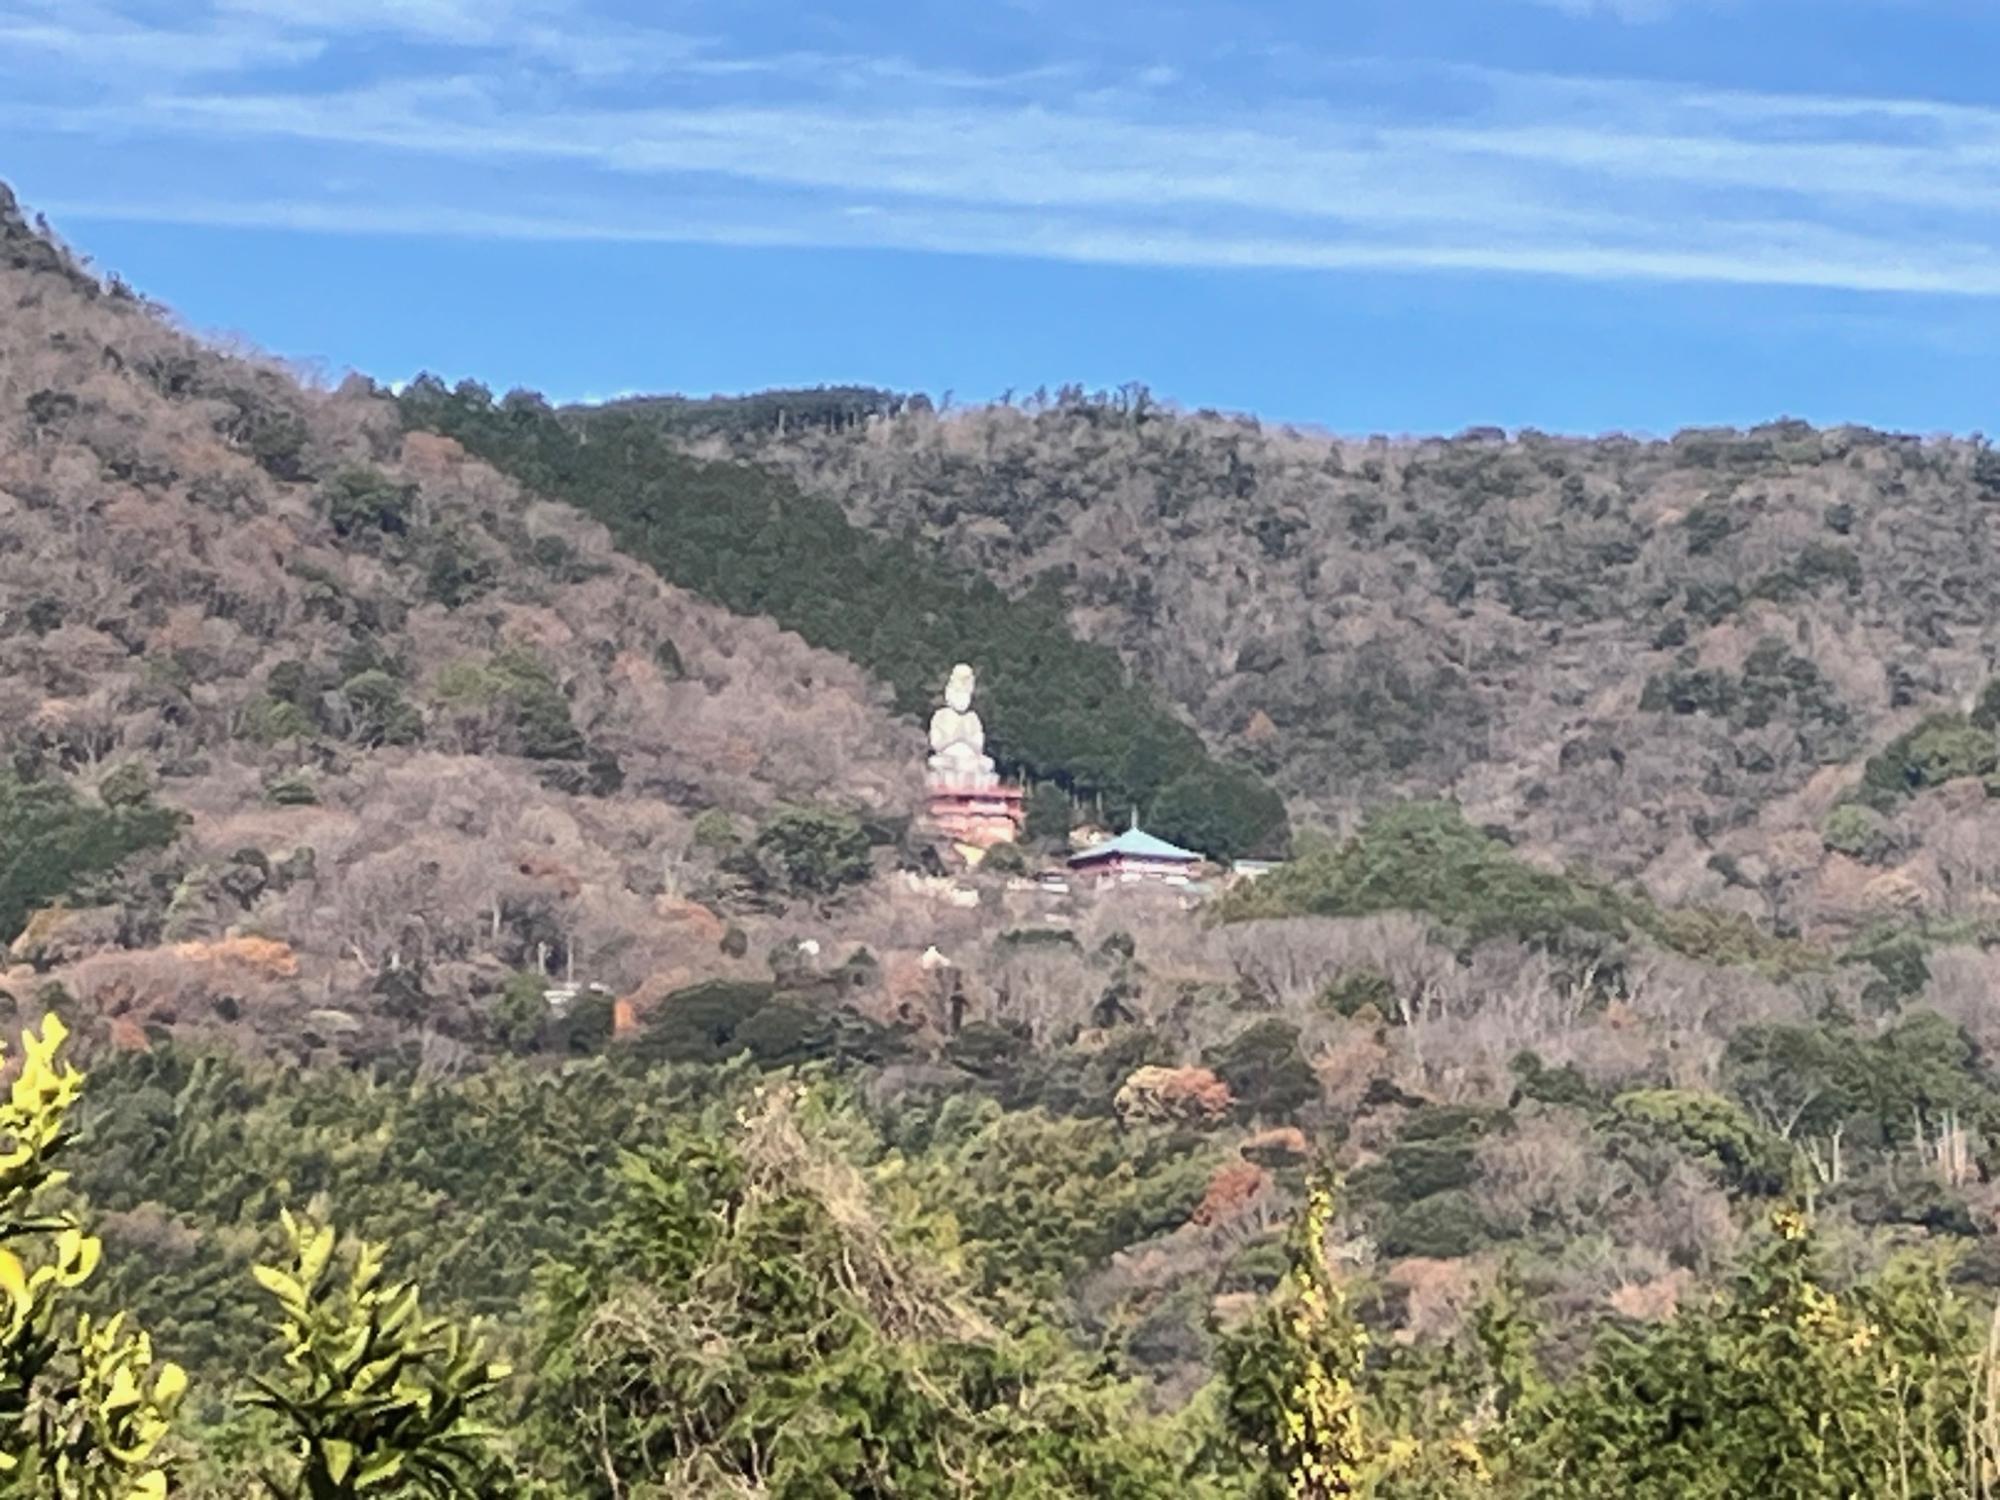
{"x":1647,"y":656}
{"x":1063,"y":710}
{"x":416,"y":722}
{"x":327,"y":743}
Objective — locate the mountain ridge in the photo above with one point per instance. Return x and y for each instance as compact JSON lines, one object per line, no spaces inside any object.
{"x":1634,"y":654}
{"x":403,"y":843}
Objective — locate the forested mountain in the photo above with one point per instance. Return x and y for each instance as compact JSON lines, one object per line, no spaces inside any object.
{"x":1667,"y":659}
{"x":493,"y":830}
{"x":410,"y":717}
{"x":1063,"y":710}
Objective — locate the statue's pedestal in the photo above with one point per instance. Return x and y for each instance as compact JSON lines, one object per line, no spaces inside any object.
{"x":978,"y":810}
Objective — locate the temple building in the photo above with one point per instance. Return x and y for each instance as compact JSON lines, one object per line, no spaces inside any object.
{"x":1136,"y":855}
{"x":969,"y":804}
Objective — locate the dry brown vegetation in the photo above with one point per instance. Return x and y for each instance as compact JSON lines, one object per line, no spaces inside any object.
{"x":1639,"y":655}
{"x":170,"y":539}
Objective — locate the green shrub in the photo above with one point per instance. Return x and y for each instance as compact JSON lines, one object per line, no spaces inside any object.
{"x":1713,"y":600}
{"x":815,"y":851}
{"x":1986,"y":711}
{"x":1084,"y":1080}
{"x":269,"y":721}
{"x":1817,"y":565}
{"x":1921,"y":1069}
{"x":291,"y":789}
{"x":1357,"y":990}
{"x":713,"y":1022}
{"x":1208,"y":807}
{"x":991,"y":1050}
{"x":698,"y":1024}
{"x":1804,"y":1079}
{"x":1038,"y":1199}
{"x":1789,"y":1384}
{"x":378,"y":712}
{"x":1442,"y":1226}
{"x":1265,"y":1070}
{"x":1564,"y":1087}
{"x":266,"y":427}
{"x":1900,"y":959}
{"x":1858,"y":832}
{"x":51,"y":841}
{"x":85,"y":1408}
{"x":368,"y":1387}
{"x":589,"y":1025}
{"x":542,"y":725}
{"x":1986,"y":474}
{"x":535,"y":712}
{"x":715,"y":831}
{"x":362,"y":500}
{"x":795,"y":1338}
{"x":1005,"y":859}
{"x":521,"y":1013}
{"x":1731,"y":937}
{"x":1058,"y":939}
{"x":127,"y":785}
{"x":1293,"y":1377}
{"x":1424,"y":857}
{"x":466,"y":683}
{"x":1697,"y":690}
{"x":786,"y":1032}
{"x":1419,"y":1169}
{"x":1707,"y":1128}
{"x":456,"y":574}
{"x":1944,"y":747}
{"x":1707,"y":526}
{"x":1775,"y":684}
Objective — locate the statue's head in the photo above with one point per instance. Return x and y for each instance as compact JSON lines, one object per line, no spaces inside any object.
{"x":958,"y":688}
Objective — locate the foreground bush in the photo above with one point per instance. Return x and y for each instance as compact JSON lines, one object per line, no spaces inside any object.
{"x":83,"y":1406}
{"x":373,"y":1399}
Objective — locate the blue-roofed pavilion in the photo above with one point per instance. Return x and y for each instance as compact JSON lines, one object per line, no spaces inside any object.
{"x":1136,"y":855}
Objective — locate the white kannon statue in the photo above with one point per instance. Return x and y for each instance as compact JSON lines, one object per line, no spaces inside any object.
{"x":958,"y":739}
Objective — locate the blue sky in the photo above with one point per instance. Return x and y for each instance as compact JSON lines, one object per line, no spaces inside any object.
{"x":1375,"y":215}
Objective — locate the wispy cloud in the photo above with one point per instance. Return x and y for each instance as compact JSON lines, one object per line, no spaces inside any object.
{"x":531,"y":119}
{"x":1622,"y":10}
{"x":89,"y":40}
{"x":459,"y":20}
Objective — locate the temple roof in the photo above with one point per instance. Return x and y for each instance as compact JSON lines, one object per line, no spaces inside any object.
{"x":1137,"y":843}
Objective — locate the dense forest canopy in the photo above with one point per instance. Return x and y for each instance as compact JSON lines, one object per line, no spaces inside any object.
{"x":1060,"y":709}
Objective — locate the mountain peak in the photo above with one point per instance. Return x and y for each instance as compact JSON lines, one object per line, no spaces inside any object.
{"x":31,"y":246}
